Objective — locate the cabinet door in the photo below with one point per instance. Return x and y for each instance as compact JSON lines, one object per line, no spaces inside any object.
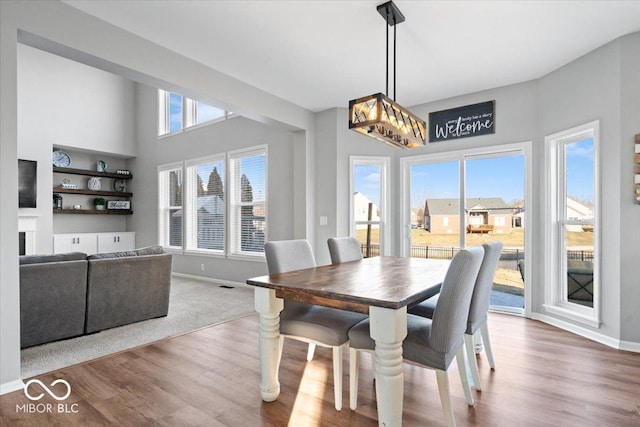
{"x":78,"y":242}
{"x":116,"y":242}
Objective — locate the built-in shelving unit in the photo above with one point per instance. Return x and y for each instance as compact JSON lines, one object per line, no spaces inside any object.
{"x":97,"y":193}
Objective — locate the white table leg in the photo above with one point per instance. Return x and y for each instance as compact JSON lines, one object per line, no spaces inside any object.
{"x":388,"y":329}
{"x":269,"y":308}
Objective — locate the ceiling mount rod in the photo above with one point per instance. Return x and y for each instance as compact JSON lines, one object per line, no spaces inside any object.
{"x":392,"y":15}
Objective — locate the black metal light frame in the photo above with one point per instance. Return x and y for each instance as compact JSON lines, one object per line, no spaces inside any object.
{"x":380,"y":117}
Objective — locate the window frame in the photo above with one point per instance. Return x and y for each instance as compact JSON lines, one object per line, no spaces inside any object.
{"x":164,"y":207}
{"x":523,"y":148}
{"x":190,"y":232}
{"x":385,"y":166}
{"x":556,"y":301}
{"x":189,"y":114}
{"x":234,"y":230}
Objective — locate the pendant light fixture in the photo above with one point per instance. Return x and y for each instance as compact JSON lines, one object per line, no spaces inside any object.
{"x":380,"y":117}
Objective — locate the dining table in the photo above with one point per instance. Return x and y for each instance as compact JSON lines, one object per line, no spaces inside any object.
{"x":382,"y":287}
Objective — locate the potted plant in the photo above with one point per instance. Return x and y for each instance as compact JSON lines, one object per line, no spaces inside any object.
{"x":99,"y":202}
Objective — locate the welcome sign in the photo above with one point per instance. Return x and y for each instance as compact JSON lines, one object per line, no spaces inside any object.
{"x":462,"y":122}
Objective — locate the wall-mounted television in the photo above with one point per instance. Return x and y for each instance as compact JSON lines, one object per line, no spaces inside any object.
{"x":27,"y":183}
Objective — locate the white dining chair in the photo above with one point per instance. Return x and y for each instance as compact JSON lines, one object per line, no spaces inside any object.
{"x":344,"y":249}
{"x":478,"y":310}
{"x":328,"y":327}
{"x":433,"y":343}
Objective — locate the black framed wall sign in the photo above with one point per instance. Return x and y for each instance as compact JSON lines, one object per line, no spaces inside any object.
{"x":462,"y":122}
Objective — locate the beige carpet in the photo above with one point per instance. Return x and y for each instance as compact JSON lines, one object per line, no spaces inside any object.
{"x":193,"y":304}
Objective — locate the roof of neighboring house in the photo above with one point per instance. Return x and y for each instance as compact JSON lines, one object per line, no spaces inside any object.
{"x":579,"y":209}
{"x":452,"y":206}
{"x":213,"y":205}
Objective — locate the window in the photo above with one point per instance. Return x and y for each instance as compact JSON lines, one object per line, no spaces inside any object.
{"x":369,"y":187}
{"x":572,"y":227}
{"x":469,"y":197}
{"x":247,"y":201}
{"x":177,"y":112}
{"x":205,"y":204}
{"x":215,"y":205}
{"x":170,"y":188}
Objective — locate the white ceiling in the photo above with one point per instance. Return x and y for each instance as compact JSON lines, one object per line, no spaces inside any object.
{"x":320,"y":54}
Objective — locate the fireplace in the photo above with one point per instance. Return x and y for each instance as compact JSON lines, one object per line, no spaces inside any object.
{"x":22,"y":243}
{"x":27,"y":234}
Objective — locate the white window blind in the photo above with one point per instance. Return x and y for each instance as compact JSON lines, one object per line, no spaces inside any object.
{"x":170,"y":189}
{"x":205,"y":204}
{"x":247,"y":201}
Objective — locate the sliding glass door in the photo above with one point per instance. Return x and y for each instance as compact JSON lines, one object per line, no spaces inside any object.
{"x":458,"y":200}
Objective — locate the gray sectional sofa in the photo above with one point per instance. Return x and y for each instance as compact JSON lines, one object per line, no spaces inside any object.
{"x":67,"y":295}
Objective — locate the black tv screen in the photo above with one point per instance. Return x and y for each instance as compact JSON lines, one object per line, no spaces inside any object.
{"x":27,"y":183}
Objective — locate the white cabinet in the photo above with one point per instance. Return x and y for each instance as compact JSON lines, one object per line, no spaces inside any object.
{"x":76,"y":242}
{"x":116,"y":242}
{"x":92,"y":243}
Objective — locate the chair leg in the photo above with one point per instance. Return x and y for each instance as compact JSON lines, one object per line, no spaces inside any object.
{"x":445,"y":397}
{"x":473,"y":363}
{"x":353,"y":378}
{"x":310,"y":351}
{"x":484,"y":329}
{"x":477,"y":342}
{"x":337,"y":376}
{"x":462,"y":370}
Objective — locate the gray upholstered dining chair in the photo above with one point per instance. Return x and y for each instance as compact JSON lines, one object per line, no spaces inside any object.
{"x":328,"y":327}
{"x":344,"y":249}
{"x":478,"y":310}
{"x":433,"y":343}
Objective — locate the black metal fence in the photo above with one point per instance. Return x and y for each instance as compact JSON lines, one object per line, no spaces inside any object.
{"x":508,"y":258}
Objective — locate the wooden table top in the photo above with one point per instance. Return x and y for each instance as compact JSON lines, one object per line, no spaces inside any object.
{"x":390,"y":282}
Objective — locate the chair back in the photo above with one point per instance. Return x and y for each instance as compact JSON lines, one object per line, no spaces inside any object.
{"x":482,"y":291}
{"x":288,"y":255}
{"x":344,"y":249}
{"x":452,"y":310}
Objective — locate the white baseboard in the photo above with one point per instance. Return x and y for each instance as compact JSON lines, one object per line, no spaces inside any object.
{"x":10,"y":387}
{"x":630,"y":346}
{"x":212,"y":280}
{"x":594,"y":336}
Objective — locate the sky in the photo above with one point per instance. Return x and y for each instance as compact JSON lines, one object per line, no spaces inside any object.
{"x":501,"y":176}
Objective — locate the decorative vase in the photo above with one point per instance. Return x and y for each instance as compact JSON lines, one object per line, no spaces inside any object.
{"x":100,"y":207}
{"x":94,"y":184}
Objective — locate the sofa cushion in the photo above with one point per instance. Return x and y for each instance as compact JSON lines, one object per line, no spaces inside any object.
{"x":107,"y":255}
{"x":39,"y":259}
{"x":150,"y":250}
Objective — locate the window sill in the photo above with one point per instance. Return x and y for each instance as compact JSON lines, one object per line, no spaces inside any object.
{"x":174,"y":251}
{"x":245,"y":257}
{"x":571,"y":314}
{"x":206,"y":253}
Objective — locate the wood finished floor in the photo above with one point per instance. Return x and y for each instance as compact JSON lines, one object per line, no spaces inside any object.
{"x":543,"y":377}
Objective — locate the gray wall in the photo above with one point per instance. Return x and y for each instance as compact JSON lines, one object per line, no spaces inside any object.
{"x":629,"y":211}
{"x":603,"y":85}
{"x":85,"y":110}
{"x":65,"y":31}
{"x":582,"y":91}
{"x":216,"y":138}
